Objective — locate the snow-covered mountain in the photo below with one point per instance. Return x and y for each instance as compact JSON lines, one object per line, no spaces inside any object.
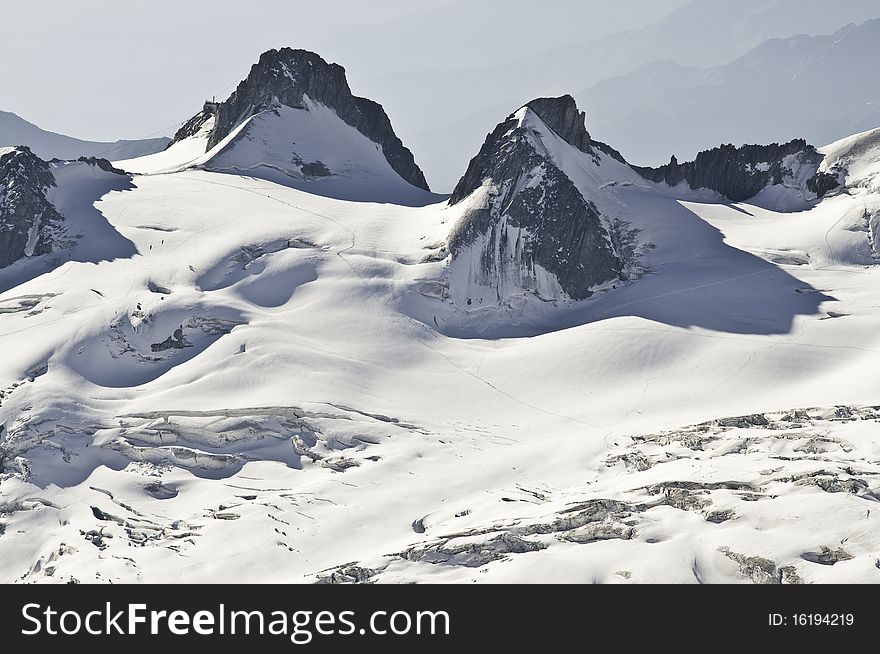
{"x":240,"y":366}
{"x":294,"y":120}
{"x":49,"y":145}
{"x":527,"y":226}
{"x":811,"y":87}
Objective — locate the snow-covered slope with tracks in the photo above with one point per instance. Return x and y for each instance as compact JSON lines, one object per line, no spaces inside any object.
{"x":269,"y":382}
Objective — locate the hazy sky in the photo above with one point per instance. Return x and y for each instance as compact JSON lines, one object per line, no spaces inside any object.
{"x":104,"y":69}
{"x":446,"y":71}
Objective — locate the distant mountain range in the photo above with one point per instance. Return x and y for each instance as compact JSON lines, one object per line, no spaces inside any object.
{"x":15,"y":130}
{"x":816,"y":87}
{"x":700,"y":34}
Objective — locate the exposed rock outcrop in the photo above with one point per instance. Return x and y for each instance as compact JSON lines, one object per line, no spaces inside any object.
{"x":741,"y":173}
{"x":177,"y":341}
{"x":563,"y":117}
{"x":287,"y":76}
{"x":529,"y":228}
{"x":194,"y":125}
{"x":103,"y":164}
{"x":28,"y":221}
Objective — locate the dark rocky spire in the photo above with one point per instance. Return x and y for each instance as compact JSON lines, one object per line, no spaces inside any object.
{"x":562,"y":116}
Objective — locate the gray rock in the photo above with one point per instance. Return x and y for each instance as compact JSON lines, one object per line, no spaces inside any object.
{"x":756,"y":568}
{"x":29,"y":224}
{"x":827,"y":556}
{"x":551,"y":224}
{"x":285,"y":76}
{"x":103,"y":164}
{"x":740,"y":173}
{"x":788,"y":575}
{"x":562,"y":116}
{"x":593,"y":512}
{"x":160,"y":491}
{"x":315,"y":169}
{"x":176,"y":341}
{"x":832,"y":483}
{"x":226,"y":515}
{"x":194,"y":124}
{"x":598,"y":531}
{"x":743,"y":422}
{"x":473,"y":555}
{"x":339,"y":464}
{"x":351,"y":574}
{"x":153,"y":287}
{"x":720,"y":515}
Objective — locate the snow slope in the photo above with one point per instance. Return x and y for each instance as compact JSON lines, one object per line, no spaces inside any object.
{"x":176,"y":157}
{"x":49,"y":145}
{"x":270,"y":384}
{"x":310,"y":149}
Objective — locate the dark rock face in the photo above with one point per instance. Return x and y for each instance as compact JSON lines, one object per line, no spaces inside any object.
{"x":103,"y":164}
{"x":315,"y":169}
{"x":823,"y":183}
{"x":286,"y":76}
{"x":28,"y":221}
{"x":177,"y":341}
{"x":191,"y":127}
{"x":559,"y":114}
{"x":740,"y":173}
{"x":562,"y":116}
{"x":533,"y":219}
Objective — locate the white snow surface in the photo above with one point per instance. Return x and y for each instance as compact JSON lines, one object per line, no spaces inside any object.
{"x":277,"y":143}
{"x":176,"y":157}
{"x":859,"y":155}
{"x":329,"y":404}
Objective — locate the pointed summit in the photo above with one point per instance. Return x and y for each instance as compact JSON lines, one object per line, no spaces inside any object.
{"x":563,"y":117}
{"x":527,"y":227}
{"x":288,"y":79}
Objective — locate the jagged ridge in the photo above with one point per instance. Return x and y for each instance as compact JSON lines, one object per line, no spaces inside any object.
{"x":740,"y":173}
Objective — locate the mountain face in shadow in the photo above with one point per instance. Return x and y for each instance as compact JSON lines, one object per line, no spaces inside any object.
{"x":49,"y":208}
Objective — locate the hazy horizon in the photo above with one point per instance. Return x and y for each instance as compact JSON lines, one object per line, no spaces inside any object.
{"x":446,"y":71}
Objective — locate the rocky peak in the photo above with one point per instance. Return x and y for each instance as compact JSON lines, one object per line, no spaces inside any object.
{"x":286,"y":77}
{"x":527,"y":229}
{"x":283,"y":76}
{"x":563,"y":117}
{"x":28,"y":221}
{"x":739,"y":173}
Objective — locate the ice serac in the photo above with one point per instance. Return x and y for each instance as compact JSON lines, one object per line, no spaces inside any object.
{"x":741,"y":173}
{"x":28,"y":221}
{"x":526,"y":227}
{"x":297,"y":78}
